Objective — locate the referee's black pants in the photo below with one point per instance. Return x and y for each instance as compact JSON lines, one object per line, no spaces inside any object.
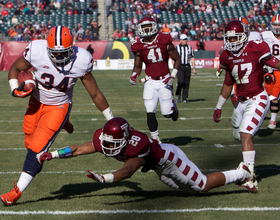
{"x":184,"y":78}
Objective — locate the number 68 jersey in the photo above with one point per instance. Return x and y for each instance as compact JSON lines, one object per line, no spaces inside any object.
{"x":246,"y":68}
{"x":154,"y":54}
{"x":55,"y":84}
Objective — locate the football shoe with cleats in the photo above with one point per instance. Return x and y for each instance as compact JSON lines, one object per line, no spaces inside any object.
{"x":249,"y":181}
{"x":157,"y":138}
{"x":272,"y":124}
{"x":68,"y":126}
{"x":12,"y":197}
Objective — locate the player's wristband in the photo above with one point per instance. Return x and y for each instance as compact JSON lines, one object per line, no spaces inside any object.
{"x":62,"y":153}
{"x":13,"y":84}
{"x":174,"y":73}
{"x":108,"y":113}
{"x":221,"y":102}
{"x":109,"y":178}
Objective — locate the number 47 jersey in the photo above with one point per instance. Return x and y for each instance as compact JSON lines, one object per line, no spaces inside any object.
{"x":246,"y":68}
{"x":55,"y":84}
{"x":154,"y":54}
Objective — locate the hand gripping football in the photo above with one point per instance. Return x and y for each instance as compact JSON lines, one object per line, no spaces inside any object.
{"x":29,"y":79}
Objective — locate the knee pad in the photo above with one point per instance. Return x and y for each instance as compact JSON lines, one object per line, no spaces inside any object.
{"x":31,"y":164}
{"x":152,"y":121}
{"x":275,"y":105}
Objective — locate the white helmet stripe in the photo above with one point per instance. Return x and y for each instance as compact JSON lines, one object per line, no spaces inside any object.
{"x":58,"y":38}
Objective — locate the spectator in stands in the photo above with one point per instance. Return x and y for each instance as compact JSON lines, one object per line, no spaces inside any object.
{"x":173,"y":9}
{"x":215,"y":6}
{"x":177,"y":25}
{"x":80,"y":37}
{"x":40,"y":11}
{"x":130,"y":34}
{"x":162,"y":7}
{"x":49,"y":25}
{"x":166,"y":30}
{"x":26,"y":37}
{"x":76,"y":11}
{"x":180,"y":10}
{"x":18,"y":11}
{"x":128,"y":21}
{"x":117,"y":35}
{"x":47,"y":11}
{"x":184,"y":27}
{"x":224,"y":3}
{"x":209,"y":8}
{"x":94,"y":6}
{"x":231,"y":3}
{"x":274,"y":8}
{"x":157,"y":10}
{"x":63,"y":6}
{"x":9,"y":5}
{"x":213,"y":36}
{"x":69,"y":4}
{"x":115,"y":8}
{"x":4,"y":12}
{"x":95,"y":37}
{"x":69,"y":11}
{"x":202,"y":6}
{"x":192,"y":32}
{"x":14,"y":20}
{"x":80,"y":30}
{"x":51,"y":7}
{"x":174,"y":34}
{"x":121,"y":9}
{"x":220,"y":35}
{"x":268,"y":8}
{"x":86,"y":37}
{"x":135,"y":20}
{"x":108,"y":4}
{"x":18,"y":4}
{"x":124,"y":37}
{"x":82,"y":11}
{"x":36,"y":25}
{"x":56,"y":4}
{"x":95,"y":28}
{"x":30,"y":10}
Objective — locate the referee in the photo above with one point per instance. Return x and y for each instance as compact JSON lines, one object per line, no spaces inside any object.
{"x":184,"y":73}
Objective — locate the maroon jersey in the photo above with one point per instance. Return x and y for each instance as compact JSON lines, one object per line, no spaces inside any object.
{"x":246,"y":69}
{"x":154,"y":54}
{"x":139,"y":145}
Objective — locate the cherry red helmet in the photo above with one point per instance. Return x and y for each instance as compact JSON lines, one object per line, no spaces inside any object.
{"x":245,"y":21}
{"x":60,"y":45}
{"x":275,"y":24}
{"x":235,"y":29}
{"x":116,"y":132}
{"x":147,"y":27}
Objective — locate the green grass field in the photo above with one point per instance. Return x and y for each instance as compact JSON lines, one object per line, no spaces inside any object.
{"x":62,"y":190}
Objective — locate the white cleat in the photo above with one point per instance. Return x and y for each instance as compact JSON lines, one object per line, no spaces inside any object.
{"x":272,"y":124}
{"x":249,"y":181}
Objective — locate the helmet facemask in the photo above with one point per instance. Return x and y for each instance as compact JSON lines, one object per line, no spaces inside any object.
{"x":112,"y":147}
{"x":235,"y":46}
{"x":147,"y":29}
{"x":275,"y":27}
{"x":61,"y":56}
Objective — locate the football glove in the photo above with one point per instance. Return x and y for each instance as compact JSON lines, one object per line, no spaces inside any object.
{"x":169,"y":81}
{"x":219,"y":72}
{"x":18,"y":92}
{"x":133,"y":78}
{"x":98,"y":178}
{"x":217,"y":114}
{"x":42,"y":156}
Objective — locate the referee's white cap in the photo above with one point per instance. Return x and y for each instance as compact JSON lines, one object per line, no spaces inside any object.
{"x":183,"y":37}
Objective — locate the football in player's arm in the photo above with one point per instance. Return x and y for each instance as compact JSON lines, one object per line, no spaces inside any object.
{"x":118,"y":140}
{"x":57,"y":65}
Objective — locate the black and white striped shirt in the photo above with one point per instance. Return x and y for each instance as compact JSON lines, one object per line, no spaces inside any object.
{"x":186,"y":52}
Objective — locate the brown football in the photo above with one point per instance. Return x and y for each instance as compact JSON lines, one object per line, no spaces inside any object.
{"x":28,"y":78}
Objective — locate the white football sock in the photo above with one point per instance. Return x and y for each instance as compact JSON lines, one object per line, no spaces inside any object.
{"x":233,"y":175}
{"x":273,"y":116}
{"x":24,"y":181}
{"x":249,"y":158}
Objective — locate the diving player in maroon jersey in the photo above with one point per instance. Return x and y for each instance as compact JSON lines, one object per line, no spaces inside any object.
{"x":154,"y":49}
{"x":243,"y":61}
{"x":118,"y":140}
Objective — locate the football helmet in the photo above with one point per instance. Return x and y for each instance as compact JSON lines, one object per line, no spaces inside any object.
{"x":275,"y":24}
{"x":235,"y":36}
{"x":60,"y":45}
{"x":147,"y":27}
{"x":115,"y":135}
{"x":245,"y":21}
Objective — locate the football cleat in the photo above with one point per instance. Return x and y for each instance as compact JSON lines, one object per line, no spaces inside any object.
{"x":249,"y":181}
{"x":272,"y":124}
{"x":10,"y":198}
{"x":175,"y":113}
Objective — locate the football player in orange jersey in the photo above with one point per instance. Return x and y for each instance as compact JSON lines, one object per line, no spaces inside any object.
{"x":57,"y":65}
{"x":272,"y":76}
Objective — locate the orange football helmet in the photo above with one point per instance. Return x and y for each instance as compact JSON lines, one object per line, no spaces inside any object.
{"x":60,"y":45}
{"x":275,"y":24}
